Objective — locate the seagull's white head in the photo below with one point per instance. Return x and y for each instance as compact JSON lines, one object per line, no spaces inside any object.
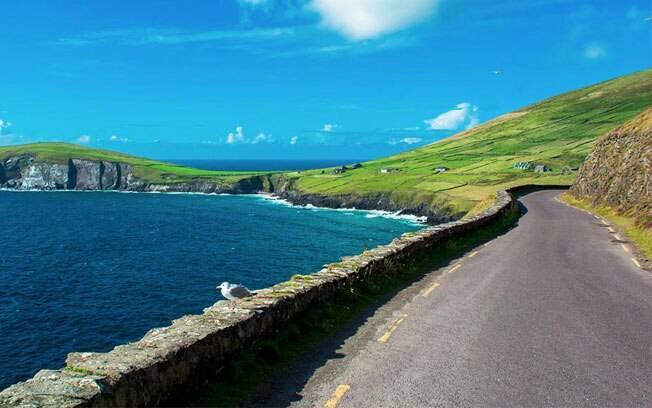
{"x":223,"y":285}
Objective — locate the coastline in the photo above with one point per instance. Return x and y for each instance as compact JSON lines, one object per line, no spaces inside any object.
{"x":272,"y":198}
{"x":170,"y":361}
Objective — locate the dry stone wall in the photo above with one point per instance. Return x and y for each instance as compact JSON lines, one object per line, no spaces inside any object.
{"x":170,"y":360}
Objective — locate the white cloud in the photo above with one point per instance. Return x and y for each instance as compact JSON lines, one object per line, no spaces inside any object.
{"x":411,"y":140}
{"x":239,"y":137}
{"x":464,"y":115}
{"x":7,"y":137}
{"x":254,"y":3}
{"x":294,"y":140}
{"x":155,"y":36}
{"x":4,"y":125}
{"x":235,"y":137}
{"x":406,"y":140}
{"x":594,"y":51}
{"x":84,"y":139}
{"x":261,"y":137}
{"x":115,"y":138}
{"x":329,"y":127}
{"x":365,"y":19}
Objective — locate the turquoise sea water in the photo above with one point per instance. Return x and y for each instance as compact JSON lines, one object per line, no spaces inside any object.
{"x":88,"y":271}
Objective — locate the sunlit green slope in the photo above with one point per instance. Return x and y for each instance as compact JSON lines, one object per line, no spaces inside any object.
{"x":558,"y":132}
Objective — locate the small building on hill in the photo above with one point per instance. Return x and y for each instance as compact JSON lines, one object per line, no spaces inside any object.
{"x":356,"y":166}
{"x":523,"y":165}
{"x":441,"y":169}
{"x":386,"y":170}
{"x":541,"y":168}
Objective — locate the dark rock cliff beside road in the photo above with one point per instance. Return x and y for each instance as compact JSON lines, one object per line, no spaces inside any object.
{"x":618,"y":172}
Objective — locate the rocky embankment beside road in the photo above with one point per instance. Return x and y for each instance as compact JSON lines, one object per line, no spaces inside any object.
{"x":618,"y":172}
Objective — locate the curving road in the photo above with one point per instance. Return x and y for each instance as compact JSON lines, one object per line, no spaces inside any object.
{"x":553,"y":313}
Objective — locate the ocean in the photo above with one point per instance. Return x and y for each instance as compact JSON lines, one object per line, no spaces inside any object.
{"x":86,"y":271}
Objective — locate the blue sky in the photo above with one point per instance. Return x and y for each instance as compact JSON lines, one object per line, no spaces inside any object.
{"x":282,"y":79}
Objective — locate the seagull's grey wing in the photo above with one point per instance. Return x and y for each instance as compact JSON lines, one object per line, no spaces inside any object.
{"x":240,"y":291}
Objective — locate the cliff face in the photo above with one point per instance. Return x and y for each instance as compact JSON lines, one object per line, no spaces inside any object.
{"x":618,"y":172}
{"x":24,"y":172}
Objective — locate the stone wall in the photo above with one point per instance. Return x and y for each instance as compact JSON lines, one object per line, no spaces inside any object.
{"x":174,"y":359}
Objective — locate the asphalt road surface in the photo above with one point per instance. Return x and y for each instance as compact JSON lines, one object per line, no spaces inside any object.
{"x":553,"y":313}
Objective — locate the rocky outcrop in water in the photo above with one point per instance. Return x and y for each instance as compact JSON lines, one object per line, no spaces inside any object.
{"x":369,"y":202}
{"x":618,"y":172}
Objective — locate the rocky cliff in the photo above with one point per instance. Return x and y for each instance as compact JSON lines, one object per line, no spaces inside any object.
{"x":27,"y":172}
{"x":618,"y":172}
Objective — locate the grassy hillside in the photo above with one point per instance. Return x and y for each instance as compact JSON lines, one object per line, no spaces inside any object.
{"x":150,"y":170}
{"x":558,"y":132}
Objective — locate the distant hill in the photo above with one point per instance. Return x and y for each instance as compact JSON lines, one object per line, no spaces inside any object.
{"x":25,"y":157}
{"x":445,"y":179}
{"x":558,"y":132}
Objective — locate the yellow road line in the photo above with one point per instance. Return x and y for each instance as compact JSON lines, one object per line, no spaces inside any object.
{"x":430,"y":289}
{"x":455,"y":268}
{"x":385,"y":337}
{"x":337,"y":396}
{"x":638,"y":265}
{"x":472,"y":254}
{"x":625,"y":248}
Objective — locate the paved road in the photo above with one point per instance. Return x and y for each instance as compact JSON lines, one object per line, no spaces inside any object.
{"x":553,"y":313}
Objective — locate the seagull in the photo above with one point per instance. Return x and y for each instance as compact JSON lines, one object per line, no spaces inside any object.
{"x":498,"y":72}
{"x":233,"y":291}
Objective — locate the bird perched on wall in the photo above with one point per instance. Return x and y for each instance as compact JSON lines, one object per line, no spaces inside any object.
{"x":233,"y":291}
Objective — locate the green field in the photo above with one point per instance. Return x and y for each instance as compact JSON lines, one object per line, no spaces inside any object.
{"x":150,"y":170}
{"x":558,"y":132}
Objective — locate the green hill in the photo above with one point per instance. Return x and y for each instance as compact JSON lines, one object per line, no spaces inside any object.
{"x":558,"y":132}
{"x":150,"y":170}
